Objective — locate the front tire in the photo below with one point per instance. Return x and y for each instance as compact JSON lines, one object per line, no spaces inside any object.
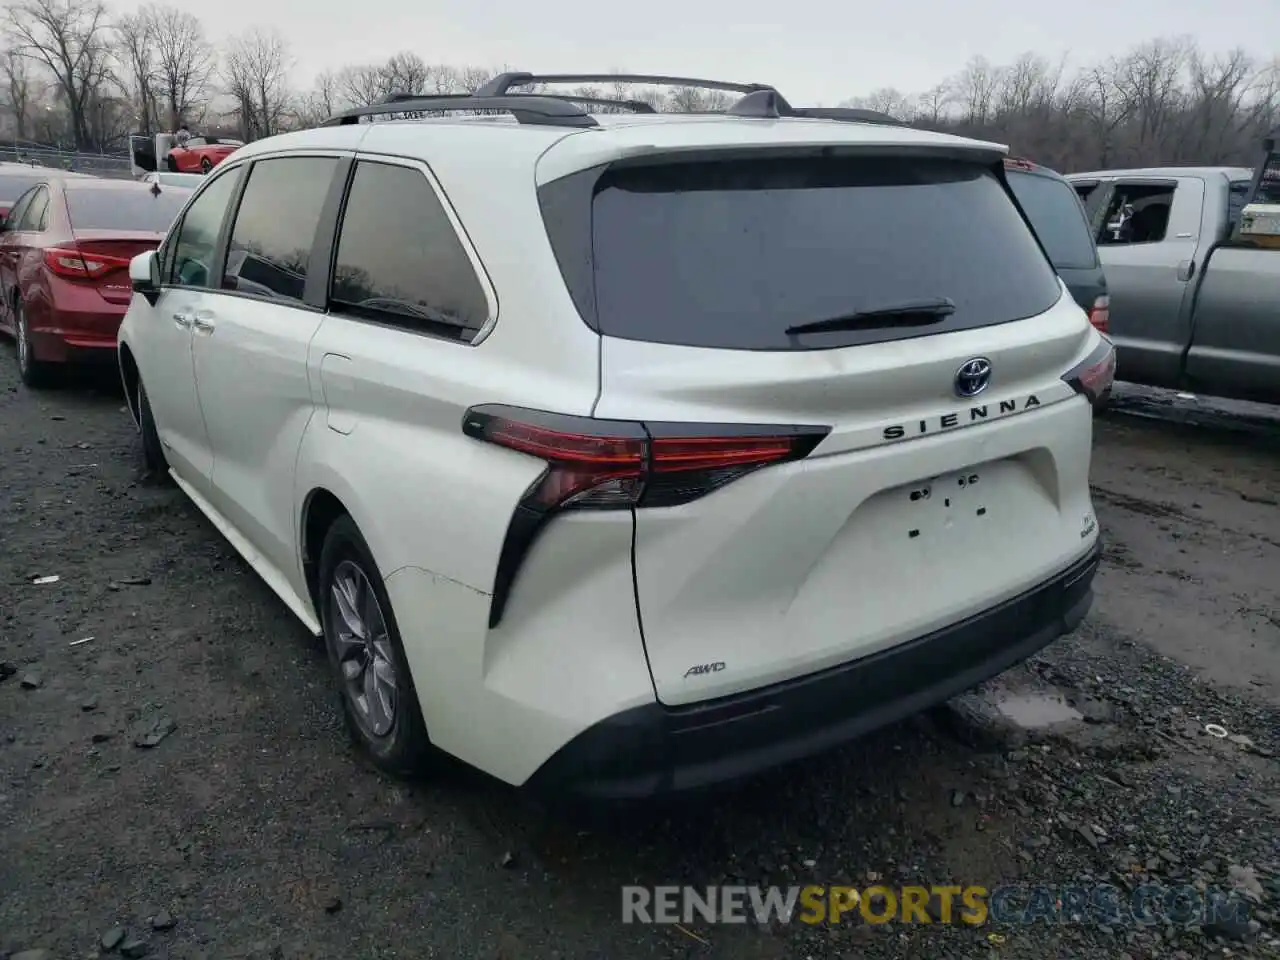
{"x":379,"y":701}
{"x":34,"y":373}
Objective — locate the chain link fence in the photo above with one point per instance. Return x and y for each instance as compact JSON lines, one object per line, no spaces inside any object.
{"x":115,"y":166}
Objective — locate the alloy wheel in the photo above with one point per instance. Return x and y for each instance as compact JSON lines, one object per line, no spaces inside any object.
{"x":363,"y":651}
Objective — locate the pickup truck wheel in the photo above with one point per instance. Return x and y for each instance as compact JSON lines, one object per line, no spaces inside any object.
{"x":379,"y":701}
{"x":34,"y":373}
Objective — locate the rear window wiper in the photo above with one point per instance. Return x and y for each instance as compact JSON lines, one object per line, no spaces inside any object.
{"x":911,"y":313}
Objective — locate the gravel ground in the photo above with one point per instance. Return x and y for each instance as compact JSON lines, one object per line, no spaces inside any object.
{"x":174,"y":779}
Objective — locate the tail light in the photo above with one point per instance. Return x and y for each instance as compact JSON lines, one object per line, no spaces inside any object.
{"x":618,"y":464}
{"x":1017,"y":163}
{"x":72,"y":263}
{"x":1094,"y":375}
{"x":1100,"y":314}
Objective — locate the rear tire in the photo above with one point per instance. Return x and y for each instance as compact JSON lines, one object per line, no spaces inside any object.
{"x":153,"y":457}
{"x":365,"y":652}
{"x":34,"y":373}
{"x":171,"y":163}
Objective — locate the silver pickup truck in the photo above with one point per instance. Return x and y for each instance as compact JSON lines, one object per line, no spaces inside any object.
{"x":1191,"y":308}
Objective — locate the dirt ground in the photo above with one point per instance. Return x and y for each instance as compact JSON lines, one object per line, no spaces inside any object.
{"x":244,"y":826}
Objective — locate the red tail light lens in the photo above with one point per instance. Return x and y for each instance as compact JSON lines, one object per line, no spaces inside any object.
{"x":613,"y":463}
{"x":619,"y":464}
{"x":1096,"y":373}
{"x":71,"y":263}
{"x":1100,"y":315}
{"x":1017,"y":163}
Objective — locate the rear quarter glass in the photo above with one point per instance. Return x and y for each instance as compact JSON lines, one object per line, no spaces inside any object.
{"x":729,"y":254}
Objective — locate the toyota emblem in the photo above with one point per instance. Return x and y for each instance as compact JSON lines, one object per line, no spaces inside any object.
{"x":973,"y":377}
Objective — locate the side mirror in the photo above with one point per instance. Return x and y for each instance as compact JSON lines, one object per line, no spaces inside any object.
{"x":144,"y":275}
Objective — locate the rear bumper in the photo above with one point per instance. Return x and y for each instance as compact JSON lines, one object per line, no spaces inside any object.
{"x":75,"y":337}
{"x":653,"y":750}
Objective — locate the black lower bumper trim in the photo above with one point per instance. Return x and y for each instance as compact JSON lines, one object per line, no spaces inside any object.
{"x":654,"y":749}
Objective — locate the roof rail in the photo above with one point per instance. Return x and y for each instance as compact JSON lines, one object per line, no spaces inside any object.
{"x":503,"y":82}
{"x":770,"y":104}
{"x":545,"y":111}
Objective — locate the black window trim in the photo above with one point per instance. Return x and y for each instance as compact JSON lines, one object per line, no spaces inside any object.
{"x":331,"y":227}
{"x":175,"y":231}
{"x":316,"y":285}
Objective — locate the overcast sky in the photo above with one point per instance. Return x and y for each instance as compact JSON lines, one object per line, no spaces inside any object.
{"x":814,"y":51}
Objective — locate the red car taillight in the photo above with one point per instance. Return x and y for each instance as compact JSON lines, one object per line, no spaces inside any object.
{"x":619,"y":464}
{"x":1094,"y":375}
{"x":1100,"y":315}
{"x":71,"y":263}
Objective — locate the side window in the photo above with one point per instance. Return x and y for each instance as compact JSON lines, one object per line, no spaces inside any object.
{"x":19,"y":209}
{"x":36,"y":215}
{"x":188,"y":258}
{"x":399,"y":260}
{"x":275,"y":226}
{"x":1137,"y":213}
{"x":1236,"y":197}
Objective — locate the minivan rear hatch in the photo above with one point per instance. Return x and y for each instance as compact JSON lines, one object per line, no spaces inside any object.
{"x":843,"y":295}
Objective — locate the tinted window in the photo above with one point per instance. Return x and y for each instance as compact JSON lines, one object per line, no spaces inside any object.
{"x":121,"y":209}
{"x":188,"y":255}
{"x":37,"y":215}
{"x":732,"y":253}
{"x":13,"y":186}
{"x":276,"y":226}
{"x":1054,"y":210}
{"x":399,"y":258}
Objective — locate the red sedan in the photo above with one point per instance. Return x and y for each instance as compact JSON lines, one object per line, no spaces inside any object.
{"x":64,"y":266}
{"x":201,"y":154}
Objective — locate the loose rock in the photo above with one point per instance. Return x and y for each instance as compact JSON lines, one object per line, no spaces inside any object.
{"x":163,"y":921}
{"x":32,"y":681}
{"x":112,"y":939}
{"x":152,"y":735}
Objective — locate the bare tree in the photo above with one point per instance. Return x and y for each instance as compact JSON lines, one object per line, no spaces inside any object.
{"x":256,"y":71}
{"x":185,"y":61}
{"x":364,"y":84}
{"x":976,"y":88}
{"x":21,"y":91}
{"x":70,"y":39}
{"x":885,"y":100}
{"x":135,"y":42}
{"x":932,"y":105}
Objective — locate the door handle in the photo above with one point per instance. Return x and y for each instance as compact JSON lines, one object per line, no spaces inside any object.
{"x":1186,"y":269}
{"x":183,"y":320}
{"x":203,"y":321}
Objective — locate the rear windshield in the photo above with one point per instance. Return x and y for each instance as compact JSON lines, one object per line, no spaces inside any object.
{"x":12,"y":186}
{"x":1053,"y":207}
{"x":732,"y":253}
{"x":125,"y":209}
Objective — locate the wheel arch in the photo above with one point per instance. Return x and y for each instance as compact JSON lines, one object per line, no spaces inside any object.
{"x":320,"y":508}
